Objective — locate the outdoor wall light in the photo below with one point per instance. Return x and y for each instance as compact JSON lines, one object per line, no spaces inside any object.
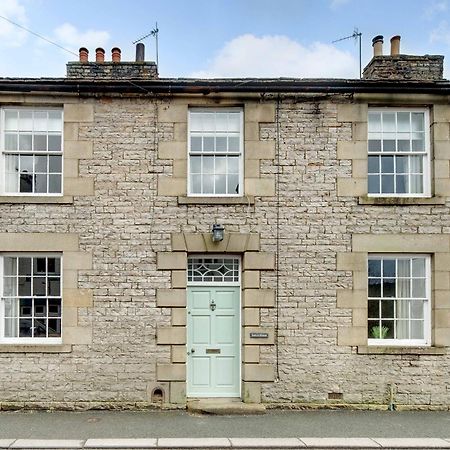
{"x":217,"y":232}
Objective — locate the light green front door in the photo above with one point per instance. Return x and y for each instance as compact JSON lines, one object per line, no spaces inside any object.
{"x":213,"y":341}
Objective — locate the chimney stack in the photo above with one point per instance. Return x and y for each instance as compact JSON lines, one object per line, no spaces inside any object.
{"x":99,"y":55}
{"x":377,"y":43}
{"x":140,"y":52}
{"x":395,"y":45}
{"x":84,"y":55}
{"x":115,"y":53}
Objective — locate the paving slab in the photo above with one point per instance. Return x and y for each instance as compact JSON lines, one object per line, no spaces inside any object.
{"x":412,"y":442}
{"x":121,"y":443}
{"x":5,"y":443}
{"x":58,"y":444}
{"x":267,"y":443}
{"x":194,"y":443}
{"x":327,"y":442}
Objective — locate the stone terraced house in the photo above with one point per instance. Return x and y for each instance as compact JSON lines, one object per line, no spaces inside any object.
{"x":270,"y":240}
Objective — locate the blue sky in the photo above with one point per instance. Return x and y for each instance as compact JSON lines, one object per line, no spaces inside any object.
{"x":221,"y":38}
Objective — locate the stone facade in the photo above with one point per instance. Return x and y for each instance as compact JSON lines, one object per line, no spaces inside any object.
{"x":303,"y":229}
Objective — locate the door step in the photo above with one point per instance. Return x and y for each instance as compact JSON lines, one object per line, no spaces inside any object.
{"x":224,"y":407}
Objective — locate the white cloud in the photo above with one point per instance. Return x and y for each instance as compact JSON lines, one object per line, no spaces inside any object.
{"x":435,"y":7}
{"x":337,"y":3}
{"x":278,"y":56}
{"x":11,"y":35}
{"x":69,"y":36}
{"x":441,"y":33}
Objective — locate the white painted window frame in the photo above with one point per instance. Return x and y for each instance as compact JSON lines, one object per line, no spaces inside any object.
{"x":241,"y":153}
{"x":426,"y":156}
{"x":426,"y":342}
{"x":29,"y":341}
{"x":3,"y":154}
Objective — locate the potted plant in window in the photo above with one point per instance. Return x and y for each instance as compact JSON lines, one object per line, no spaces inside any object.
{"x":379,"y":332}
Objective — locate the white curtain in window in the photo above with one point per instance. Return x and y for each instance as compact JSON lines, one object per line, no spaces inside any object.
{"x":11,"y":317}
{"x":403,"y":292}
{"x":11,"y":169}
{"x":419,"y":271}
{"x":415,"y":180}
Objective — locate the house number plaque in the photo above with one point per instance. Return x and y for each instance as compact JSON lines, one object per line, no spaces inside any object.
{"x":259,"y":335}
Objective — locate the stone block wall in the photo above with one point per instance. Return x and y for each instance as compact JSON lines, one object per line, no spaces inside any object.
{"x":132,"y":224}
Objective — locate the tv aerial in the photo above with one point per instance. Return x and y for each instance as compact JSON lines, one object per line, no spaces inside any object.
{"x":356,"y":36}
{"x":153,"y":33}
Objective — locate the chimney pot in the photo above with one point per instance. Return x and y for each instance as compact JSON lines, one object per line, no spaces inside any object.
{"x":377,"y":43}
{"x":84,"y":54}
{"x":115,"y":52}
{"x":140,"y":52}
{"x":395,"y":45}
{"x":99,"y":55}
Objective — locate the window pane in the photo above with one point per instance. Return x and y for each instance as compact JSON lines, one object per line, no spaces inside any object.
{"x":374,"y":184}
{"x":40,"y":307}
{"x":233,"y":164}
{"x":374,"y":287}
{"x":208,"y":184}
{"x":388,"y":122}
{"x":40,"y":121}
{"x":417,"y":331}
{"x":39,"y":286}
{"x":9,"y":286}
{"x":24,"y":286}
{"x":416,"y":186}
{"x":195,"y":122}
{"x":196,"y":164}
{"x":233,"y":184}
{"x":40,"y":328}
{"x":374,"y":309}
{"x":40,"y":142}
{"x":418,"y":288}
{"x":54,"y":184}
{"x":11,"y":141}
{"x":25,"y":142}
{"x":40,"y":164}
{"x":374,"y":267}
{"x":55,"y":121}
{"x":221,"y":143}
{"x":196,"y":144}
{"x":233,"y":144}
{"x":220,"y":165}
{"x":208,"y":164}
{"x":26,"y":307}
{"x":54,"y":327}
{"x":387,"y":184}
{"x":220,"y":184}
{"x":11,"y":327}
{"x":10,"y":265}
{"x":417,"y":309}
{"x":26,"y":164}
{"x":25,"y":120}
{"x":418,"y":267}
{"x":24,"y":266}
{"x":387,"y":164}
{"x":389,"y":268}
{"x":401,"y":164}
{"x":11,"y":120}
{"x":25,"y":328}
{"x":374,"y":164}
{"x":403,"y":145}
{"x":388,"y":145}
{"x":234,"y":121}
{"x":403,"y":121}
{"x":54,"y":143}
{"x":401,"y":184}
{"x":374,"y":145}
{"x":387,"y":309}
{"x":388,"y":287}
{"x":208,"y":144}
{"x":41,"y":184}
{"x":196,"y":184}
{"x":53,"y":288}
{"x":221,"y":121}
{"x":54,"y":307}
{"x":417,"y":121}
{"x":374,"y":121}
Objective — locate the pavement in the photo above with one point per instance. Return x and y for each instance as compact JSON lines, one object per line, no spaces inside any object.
{"x":277,"y":429}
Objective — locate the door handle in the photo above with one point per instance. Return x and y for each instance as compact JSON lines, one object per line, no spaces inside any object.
{"x":191,"y":351}
{"x":212,"y":305}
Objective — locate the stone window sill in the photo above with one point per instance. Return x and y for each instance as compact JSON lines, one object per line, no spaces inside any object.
{"x":399,"y":201}
{"x":247,"y":200}
{"x":65,"y":199}
{"x":377,"y":350}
